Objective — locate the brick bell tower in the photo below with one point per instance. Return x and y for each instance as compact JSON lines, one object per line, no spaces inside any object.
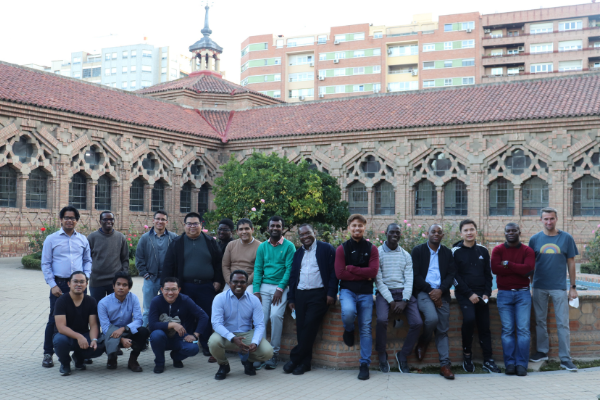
{"x":206,"y":53}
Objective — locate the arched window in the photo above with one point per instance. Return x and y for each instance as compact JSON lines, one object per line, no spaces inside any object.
{"x":102,"y":194}
{"x":8,"y":187}
{"x":92,"y":157}
{"x":78,"y":191}
{"x":203,"y":199}
{"x":425,"y":199}
{"x":136,"y":195}
{"x":36,"y":189}
{"x":502,"y":197}
{"x":455,"y":198}
{"x":385,"y":199}
{"x":185,"y":198}
{"x":149,"y":163}
{"x":23,"y":149}
{"x":358,"y":200}
{"x":440,"y":164}
{"x":158,"y":196}
{"x":517,"y":162}
{"x":586,"y":196}
{"x":535,"y":196}
{"x":370,"y":166}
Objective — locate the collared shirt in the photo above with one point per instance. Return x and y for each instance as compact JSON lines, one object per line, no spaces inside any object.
{"x":232,"y":315}
{"x":280,"y":242}
{"x":310,"y":274}
{"x":111,"y":311}
{"x":63,"y":254}
{"x":161,"y":244}
{"x":433,"y":274}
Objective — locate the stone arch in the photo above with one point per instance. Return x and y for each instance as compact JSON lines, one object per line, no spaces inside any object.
{"x":439,"y":165}
{"x":516,"y":163}
{"x":368,"y":167}
{"x":151,"y":167}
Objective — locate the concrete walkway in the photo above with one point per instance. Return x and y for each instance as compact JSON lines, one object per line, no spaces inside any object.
{"x":24,"y":312}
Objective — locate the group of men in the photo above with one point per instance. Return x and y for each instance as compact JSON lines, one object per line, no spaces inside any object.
{"x":200,"y":293}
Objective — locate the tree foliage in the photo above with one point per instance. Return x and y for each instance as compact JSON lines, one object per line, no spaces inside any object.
{"x":276,"y":186}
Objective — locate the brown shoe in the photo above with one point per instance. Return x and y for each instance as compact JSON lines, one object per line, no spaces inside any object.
{"x":420,"y":350}
{"x":133,"y":363}
{"x":111,"y":363}
{"x":446,"y":372}
{"x":211,"y":359}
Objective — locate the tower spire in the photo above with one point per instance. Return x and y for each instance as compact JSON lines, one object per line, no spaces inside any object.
{"x":206,"y":30}
{"x":206,"y":53}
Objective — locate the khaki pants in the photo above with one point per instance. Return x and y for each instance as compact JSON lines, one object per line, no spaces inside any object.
{"x":217,"y":345}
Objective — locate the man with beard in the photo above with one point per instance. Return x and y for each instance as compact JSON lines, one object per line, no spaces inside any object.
{"x":241,"y":255}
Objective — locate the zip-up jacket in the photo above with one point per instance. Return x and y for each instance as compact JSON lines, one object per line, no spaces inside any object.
{"x":192,"y":317}
{"x":473,"y":270}
{"x":146,"y":255}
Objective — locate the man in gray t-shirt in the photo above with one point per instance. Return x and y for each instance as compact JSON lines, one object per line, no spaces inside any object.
{"x":555,"y":251}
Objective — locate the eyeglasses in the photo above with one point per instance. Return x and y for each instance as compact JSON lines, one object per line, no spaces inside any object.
{"x":192,"y":224}
{"x":170,"y":289}
{"x":108,"y":220}
{"x":69,"y":218}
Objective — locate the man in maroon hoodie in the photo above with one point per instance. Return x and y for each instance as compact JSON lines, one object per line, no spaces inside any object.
{"x":513,"y":263}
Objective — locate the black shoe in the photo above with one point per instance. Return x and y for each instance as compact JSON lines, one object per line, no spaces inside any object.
{"x":289,"y":367}
{"x":249,"y":368}
{"x":177,"y":364}
{"x":402,"y":364}
{"x":79,"y":364}
{"x":511,"y":369}
{"x":222,"y":372}
{"x":206,"y":352}
{"x":159,"y":369}
{"x":348,"y":338}
{"x":65,"y":370}
{"x":384,"y":366}
{"x":468,"y":363}
{"x":491,"y":367}
{"x":88,"y":361}
{"x":538,"y":356}
{"x":111,"y":363}
{"x":119,"y":352}
{"x":363,"y":374}
{"x":568,"y":365}
{"x":521,"y":370}
{"x":301,"y":369}
{"x":48,"y":362}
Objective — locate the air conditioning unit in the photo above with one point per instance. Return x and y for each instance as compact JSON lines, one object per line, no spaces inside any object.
{"x":336,"y":42}
{"x":487,"y":31}
{"x":336,"y":61}
{"x":321,"y":78}
{"x":301,"y":98}
{"x":321,"y":95}
{"x":521,"y":48}
{"x":469,"y":30}
{"x":415,"y":72}
{"x":312,"y":64}
{"x":521,"y":68}
{"x":389,"y":51}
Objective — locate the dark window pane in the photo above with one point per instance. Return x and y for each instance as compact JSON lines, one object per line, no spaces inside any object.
{"x":385,"y":199}
{"x":358,"y":200}
{"x":441,"y":164}
{"x":203,"y":199}
{"x":502,"y":197}
{"x":158,"y":196}
{"x":136,"y":195}
{"x":102,"y":194}
{"x":370,"y":166}
{"x":455,"y":198}
{"x":148,"y":163}
{"x":426,"y":199}
{"x":37,"y":190}
{"x":8,"y":187}
{"x":78,"y":192}
{"x":185,"y":199}
{"x":586,"y":196}
{"x":22,"y":149}
{"x":92,"y":157}
{"x":535,"y":196}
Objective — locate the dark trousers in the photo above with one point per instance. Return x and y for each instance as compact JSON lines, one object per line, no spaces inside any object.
{"x":415,"y":323}
{"x":475,"y":314}
{"x":50,"y":326}
{"x":180,"y":349}
{"x":203,"y":295}
{"x":64,"y":345}
{"x":100,"y":292}
{"x":311,"y":306}
{"x":138,"y":341}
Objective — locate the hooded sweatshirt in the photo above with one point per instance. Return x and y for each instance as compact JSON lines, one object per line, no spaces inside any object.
{"x":473,"y":270}
{"x":110,"y":254}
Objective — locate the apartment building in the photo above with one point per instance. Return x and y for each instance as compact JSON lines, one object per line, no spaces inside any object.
{"x":456,"y":50}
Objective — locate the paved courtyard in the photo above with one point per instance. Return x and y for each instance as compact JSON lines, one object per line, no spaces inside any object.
{"x":23,"y":315}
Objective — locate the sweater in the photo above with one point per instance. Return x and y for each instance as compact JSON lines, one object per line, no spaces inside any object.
{"x":273,"y":264}
{"x":356,"y":279}
{"x":240,"y":256}
{"x":521,"y":263}
{"x":110,"y":254}
{"x":325,"y":255}
{"x":192,"y":317}
{"x":395,"y":272}
{"x":473,"y":273}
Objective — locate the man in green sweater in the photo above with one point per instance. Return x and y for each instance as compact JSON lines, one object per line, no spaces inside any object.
{"x":272,"y":270}
{"x":110,"y":254}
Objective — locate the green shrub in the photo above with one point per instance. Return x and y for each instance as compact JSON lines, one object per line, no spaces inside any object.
{"x":133,"y":271}
{"x":590,"y":269}
{"x":32,"y":261}
{"x":36,"y":240}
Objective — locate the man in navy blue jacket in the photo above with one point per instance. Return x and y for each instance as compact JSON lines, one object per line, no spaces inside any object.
{"x":313,"y":288}
{"x":172,"y":321}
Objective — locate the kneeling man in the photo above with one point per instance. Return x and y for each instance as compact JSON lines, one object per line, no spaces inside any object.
{"x":233,"y":314}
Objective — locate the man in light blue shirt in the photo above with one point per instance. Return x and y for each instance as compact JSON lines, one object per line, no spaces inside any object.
{"x":433,"y":273}
{"x":64,"y":252}
{"x":121,"y":322}
{"x":233,"y":314}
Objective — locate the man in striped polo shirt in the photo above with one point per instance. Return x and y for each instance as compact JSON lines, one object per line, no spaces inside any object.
{"x":394,"y":293}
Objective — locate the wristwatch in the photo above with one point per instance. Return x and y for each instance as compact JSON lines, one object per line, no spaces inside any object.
{"x":127,"y":329}
{"x":405,"y":300}
{"x":94,"y":340}
{"x":573,"y":286}
{"x":505,"y":263}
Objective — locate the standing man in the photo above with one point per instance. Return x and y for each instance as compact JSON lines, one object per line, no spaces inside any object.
{"x":224,"y":233}
{"x":175,"y":323}
{"x":513,"y":263}
{"x":555,"y":251}
{"x":271,"y":277}
{"x":394,"y":293}
{"x":434,"y":271}
{"x":121,"y":322}
{"x":238,"y":321}
{"x":64,"y":252}
{"x":356,"y":265}
{"x":241,"y":254}
{"x":150,"y":255}
{"x":110,"y":254}
{"x":76,"y":325}
{"x":473,"y":288}
{"x":313,"y":288}
{"x":195,"y":259}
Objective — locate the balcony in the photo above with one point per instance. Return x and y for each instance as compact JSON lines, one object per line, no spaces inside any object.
{"x":531,"y":57}
{"x":523,"y":75}
{"x":498,"y":40}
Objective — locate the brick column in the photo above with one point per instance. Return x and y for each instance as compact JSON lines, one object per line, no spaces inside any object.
{"x":410,"y":203}
{"x":115,"y":204}
{"x":402,"y":191}
{"x":476,"y":195}
{"x":91,"y":195}
{"x":518,"y":202}
{"x":123,"y":188}
{"x":440,"y":201}
{"x":558,"y":194}
{"x":195,"y":192}
{"x":21,"y":190}
{"x":370,"y":201}
{"x":64,"y":178}
{"x":169,"y":201}
{"x":148,"y":197}
{"x":51,"y":195}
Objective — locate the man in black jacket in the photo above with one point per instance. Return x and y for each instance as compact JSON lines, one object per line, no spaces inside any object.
{"x":195,"y":259}
{"x":473,"y":288}
{"x":434,"y":270}
{"x":313,"y":288}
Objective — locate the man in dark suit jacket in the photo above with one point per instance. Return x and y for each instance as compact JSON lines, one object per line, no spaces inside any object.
{"x":195,"y":259}
{"x":434,"y":270}
{"x":313,"y":288}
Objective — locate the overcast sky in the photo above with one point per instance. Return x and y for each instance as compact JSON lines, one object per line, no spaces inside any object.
{"x":36,"y":31}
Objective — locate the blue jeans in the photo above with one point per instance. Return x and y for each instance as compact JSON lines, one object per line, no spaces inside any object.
{"x":49,"y":333}
{"x":363,"y":304}
{"x":180,"y":349}
{"x":100,"y":292}
{"x":514,"y":308}
{"x":150,"y":290}
{"x":64,"y":345}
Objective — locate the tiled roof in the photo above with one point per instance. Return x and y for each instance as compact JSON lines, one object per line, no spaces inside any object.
{"x":43,"y":89}
{"x":218,"y":120}
{"x":523,"y":100}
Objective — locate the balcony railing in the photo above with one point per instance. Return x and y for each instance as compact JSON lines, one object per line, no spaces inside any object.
{"x":402,"y":71}
{"x":490,"y":36}
{"x":521,"y":73}
{"x":523,"y":53}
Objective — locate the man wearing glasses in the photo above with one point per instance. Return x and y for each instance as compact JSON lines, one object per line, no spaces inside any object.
{"x":149,"y":256}
{"x":224,"y":233}
{"x":195,"y":259}
{"x":64,"y":252}
{"x":110,"y":254}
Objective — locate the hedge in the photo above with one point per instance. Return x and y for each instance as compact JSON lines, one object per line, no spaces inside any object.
{"x":133,"y":271}
{"x":32,"y":261}
{"x":590,"y":269}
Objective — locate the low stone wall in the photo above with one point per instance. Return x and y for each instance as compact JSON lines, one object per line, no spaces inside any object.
{"x":330,"y":350}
